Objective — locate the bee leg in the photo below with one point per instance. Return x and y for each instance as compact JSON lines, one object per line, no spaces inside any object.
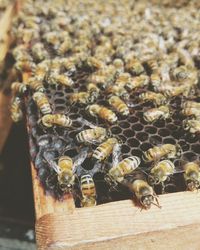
{"x":157,"y":204}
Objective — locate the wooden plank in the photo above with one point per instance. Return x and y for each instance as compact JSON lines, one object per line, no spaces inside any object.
{"x":121,"y":221}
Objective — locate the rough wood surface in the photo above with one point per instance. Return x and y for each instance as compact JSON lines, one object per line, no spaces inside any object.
{"x":104,"y":226}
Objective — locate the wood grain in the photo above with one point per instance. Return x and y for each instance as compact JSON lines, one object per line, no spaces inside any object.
{"x":119,"y":221}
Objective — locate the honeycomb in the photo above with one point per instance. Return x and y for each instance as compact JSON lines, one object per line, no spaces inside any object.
{"x":136,"y":135}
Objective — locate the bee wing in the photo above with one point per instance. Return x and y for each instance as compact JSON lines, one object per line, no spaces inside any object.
{"x":116,"y":154}
{"x":81,"y":157}
{"x":86,"y":123}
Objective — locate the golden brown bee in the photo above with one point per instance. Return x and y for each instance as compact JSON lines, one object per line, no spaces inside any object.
{"x":18,"y":88}
{"x":158,"y":152}
{"x":160,"y":172}
{"x":153,"y":65}
{"x":172,"y":91}
{"x":81,"y":97}
{"x":192,"y":175}
{"x":105,"y":149}
{"x":119,"y":105}
{"x":92,"y":135}
{"x":64,"y":47}
{"x":156,"y":98}
{"x":52,"y":38}
{"x":36,"y":85}
{"x":144,"y":193}
{"x":185,"y":57}
{"x":15,"y":110}
{"x":39,"y":52}
{"x":119,"y":65}
{"x":61,"y":79}
{"x":94,"y":63}
{"x":50,"y":120}
{"x":134,"y":66}
{"x":41,"y":70}
{"x":25,"y":66}
{"x":20,"y":53}
{"x":103,"y":112}
{"x":156,"y":80}
{"x":181,"y":73}
{"x":195,"y":112}
{"x":193,"y":126}
{"x":69,"y":65}
{"x":191,"y":105}
{"x":123,"y":168}
{"x":88,"y":191}
{"x":123,"y":79}
{"x":118,"y":91}
{"x":93,"y":90}
{"x":154,"y":114}
{"x":138,"y":82}
{"x":42,"y":102}
{"x":56,"y":64}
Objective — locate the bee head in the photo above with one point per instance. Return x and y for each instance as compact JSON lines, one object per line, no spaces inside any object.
{"x":192,"y":184}
{"x":146,"y":201}
{"x":65,"y":182}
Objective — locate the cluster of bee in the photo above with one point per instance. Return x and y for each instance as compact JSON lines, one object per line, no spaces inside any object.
{"x":109,"y":60}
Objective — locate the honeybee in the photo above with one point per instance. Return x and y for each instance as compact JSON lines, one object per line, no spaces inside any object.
{"x":69,"y":65}
{"x":157,"y":98}
{"x":61,"y":79}
{"x":119,"y":65}
{"x":158,"y":152}
{"x":124,"y":167}
{"x":50,"y":120}
{"x":192,"y":175}
{"x":154,"y":114}
{"x":36,"y":85}
{"x":81,"y":97}
{"x":55,"y":68}
{"x":39,"y":52}
{"x":103,"y":112}
{"x":92,"y":135}
{"x":153,"y":65}
{"x":18,"y":88}
{"x":144,"y":193}
{"x":181,"y":73}
{"x":191,"y":105}
{"x":118,"y":91}
{"x":26,"y":66}
{"x":41,"y":70}
{"x":20,"y":53}
{"x":156,"y":81}
{"x":104,"y":150}
{"x":42,"y":102}
{"x":93,"y":90}
{"x":119,"y":105}
{"x":193,"y":126}
{"x":134,"y":66}
{"x":52,"y":38}
{"x":88,"y":191}
{"x":191,"y":112}
{"x":138,"y":82}
{"x":185,"y":57}
{"x":173,"y":91}
{"x":64,"y":47}
{"x":160,"y":172}
{"x":123,"y":79}
{"x":94,"y":63}
{"x":15,"y":110}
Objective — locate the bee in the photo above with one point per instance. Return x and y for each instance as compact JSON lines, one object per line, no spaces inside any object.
{"x":50,"y":120}
{"x":123,"y":79}
{"x":42,"y":102}
{"x":173,"y":91}
{"x":52,"y":38}
{"x":119,"y":65}
{"x":92,"y":135}
{"x":20,"y":53}
{"x":39,"y":52}
{"x":64,"y":47}
{"x":61,"y":79}
{"x":193,"y":126}
{"x":157,"y":98}
{"x":160,"y":172}
{"x":144,"y":193}
{"x":36,"y":85}
{"x":181,"y":73}
{"x":119,"y":105}
{"x":118,"y":91}
{"x":154,"y":114}
{"x":81,"y":97}
{"x":191,"y":112}
{"x":191,"y":105}
{"x":157,"y":152}
{"x":55,"y":66}
{"x":123,"y":168}
{"x":94,"y":63}
{"x":153,"y":65}
{"x":185,"y":57}
{"x":156,"y":81}
{"x":138,"y":82}
{"x":25,"y":66}
{"x":69,"y":65}
{"x":15,"y":110}
{"x":88,"y":191}
{"x":192,"y":175}
{"x":41,"y":70}
{"x":104,"y":150}
{"x":93,"y":90}
{"x":134,"y":66}
{"x":103,"y":112}
{"x":18,"y":88}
